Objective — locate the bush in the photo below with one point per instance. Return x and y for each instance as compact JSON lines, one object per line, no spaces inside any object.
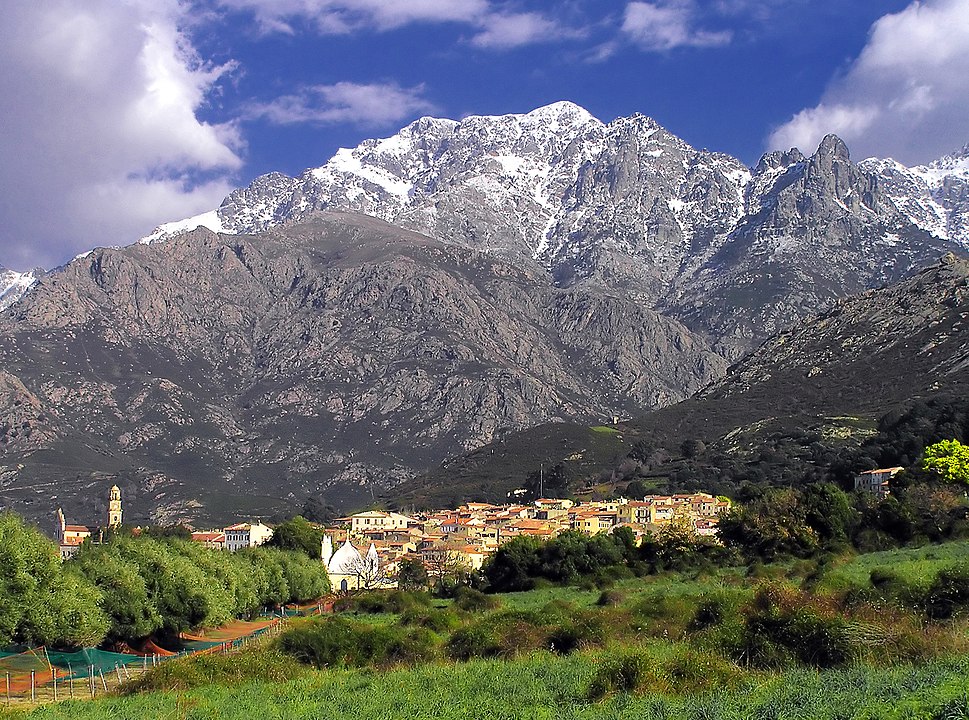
{"x":437,"y":619}
{"x":783,"y":627}
{"x":473,"y":600}
{"x":252,"y":665}
{"x":339,"y":642}
{"x":475,"y":641}
{"x":383,"y":601}
{"x":949,"y":593}
{"x":610,"y":598}
{"x":624,"y":673}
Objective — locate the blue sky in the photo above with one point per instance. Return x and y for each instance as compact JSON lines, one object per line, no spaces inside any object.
{"x":119,"y":115}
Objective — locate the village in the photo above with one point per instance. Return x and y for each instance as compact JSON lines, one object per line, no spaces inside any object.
{"x":371,"y":545}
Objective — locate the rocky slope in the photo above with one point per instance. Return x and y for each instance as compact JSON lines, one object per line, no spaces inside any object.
{"x":736,"y":253}
{"x":865,"y":356}
{"x":219,"y":374}
{"x":535,"y":268}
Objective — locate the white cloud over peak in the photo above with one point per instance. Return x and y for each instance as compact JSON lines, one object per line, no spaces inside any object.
{"x":518,"y":29}
{"x":667,"y":25}
{"x":906,"y":95}
{"x":101,"y":138}
{"x":367,"y":105}
{"x":496,"y":27}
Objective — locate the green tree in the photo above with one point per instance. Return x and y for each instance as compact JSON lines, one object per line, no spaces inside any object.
{"x":124,"y":596}
{"x":297,"y":534}
{"x":412,"y":575}
{"x":949,"y":460}
{"x":39,"y":603}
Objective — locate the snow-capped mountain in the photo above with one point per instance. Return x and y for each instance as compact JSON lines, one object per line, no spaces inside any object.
{"x":737,"y":253}
{"x":13,"y":285}
{"x":935,"y":196}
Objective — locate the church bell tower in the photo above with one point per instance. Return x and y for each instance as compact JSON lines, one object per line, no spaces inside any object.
{"x":114,"y":507}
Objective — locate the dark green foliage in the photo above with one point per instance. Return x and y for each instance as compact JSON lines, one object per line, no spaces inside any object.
{"x":150,"y":585}
{"x":39,"y":602}
{"x":513,"y":566}
{"x":317,"y":510}
{"x":623,"y":673}
{"x":782,"y":627}
{"x":440,"y":620}
{"x":412,"y":575}
{"x":297,"y":534}
{"x":472,"y":600}
{"x":550,"y":482}
{"x":168,"y":531}
{"x":384,"y":601}
{"x":263,"y":664}
{"x":339,"y":642}
{"x":949,"y":593}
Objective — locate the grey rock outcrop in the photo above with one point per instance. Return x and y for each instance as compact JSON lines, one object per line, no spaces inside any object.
{"x":335,"y":355}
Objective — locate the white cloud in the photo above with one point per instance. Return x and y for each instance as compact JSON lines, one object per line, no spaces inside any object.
{"x":518,"y":29}
{"x":496,"y":28}
{"x":372,"y":105}
{"x":342,"y":16}
{"x":905,"y":96}
{"x":101,"y":138}
{"x":667,"y":25}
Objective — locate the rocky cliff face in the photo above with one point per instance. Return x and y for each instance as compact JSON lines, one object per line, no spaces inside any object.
{"x":735,"y":253}
{"x":428,"y":292}
{"x":835,"y":373}
{"x":336,"y":355}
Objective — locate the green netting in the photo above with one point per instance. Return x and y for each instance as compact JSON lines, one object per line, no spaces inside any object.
{"x":23,"y":661}
{"x":233,"y":630}
{"x":88,"y":661}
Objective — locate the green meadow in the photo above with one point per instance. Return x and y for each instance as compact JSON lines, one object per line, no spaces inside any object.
{"x":831,"y":638}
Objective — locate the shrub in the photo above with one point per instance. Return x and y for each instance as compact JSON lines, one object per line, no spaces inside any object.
{"x":690,"y":672}
{"x":437,"y":619}
{"x":255,"y":664}
{"x":783,"y":626}
{"x":948,"y":595}
{"x":474,"y":641}
{"x":610,"y":598}
{"x":339,"y":642}
{"x":473,"y":600}
{"x":625,"y":673}
{"x":581,"y":631}
{"x":383,"y":601}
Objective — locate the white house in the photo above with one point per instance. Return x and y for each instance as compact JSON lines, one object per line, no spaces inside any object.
{"x":243,"y":535}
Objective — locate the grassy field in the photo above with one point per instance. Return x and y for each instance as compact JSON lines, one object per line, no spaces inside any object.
{"x":918,"y":565}
{"x":650,"y":661}
{"x":546,"y":686}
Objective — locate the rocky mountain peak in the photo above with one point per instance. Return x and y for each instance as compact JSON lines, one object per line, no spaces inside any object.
{"x":776,"y":159}
{"x":832,"y":147}
{"x":630,"y":205}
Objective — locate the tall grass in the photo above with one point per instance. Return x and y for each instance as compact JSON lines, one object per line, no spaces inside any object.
{"x":547,"y":686}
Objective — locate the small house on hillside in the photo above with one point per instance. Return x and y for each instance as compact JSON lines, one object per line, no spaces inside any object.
{"x":876,"y":481}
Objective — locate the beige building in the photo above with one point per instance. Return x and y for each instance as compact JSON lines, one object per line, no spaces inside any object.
{"x":213,"y":539}
{"x":68,"y":537}
{"x":378,"y":520}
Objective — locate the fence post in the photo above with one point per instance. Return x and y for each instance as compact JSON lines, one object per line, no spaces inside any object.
{"x":33,"y":695}
{"x":53,"y":679}
{"x":8,"y":688}
{"x":104,"y":683}
{"x":90,"y":680}
{"x":71,"y":671}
